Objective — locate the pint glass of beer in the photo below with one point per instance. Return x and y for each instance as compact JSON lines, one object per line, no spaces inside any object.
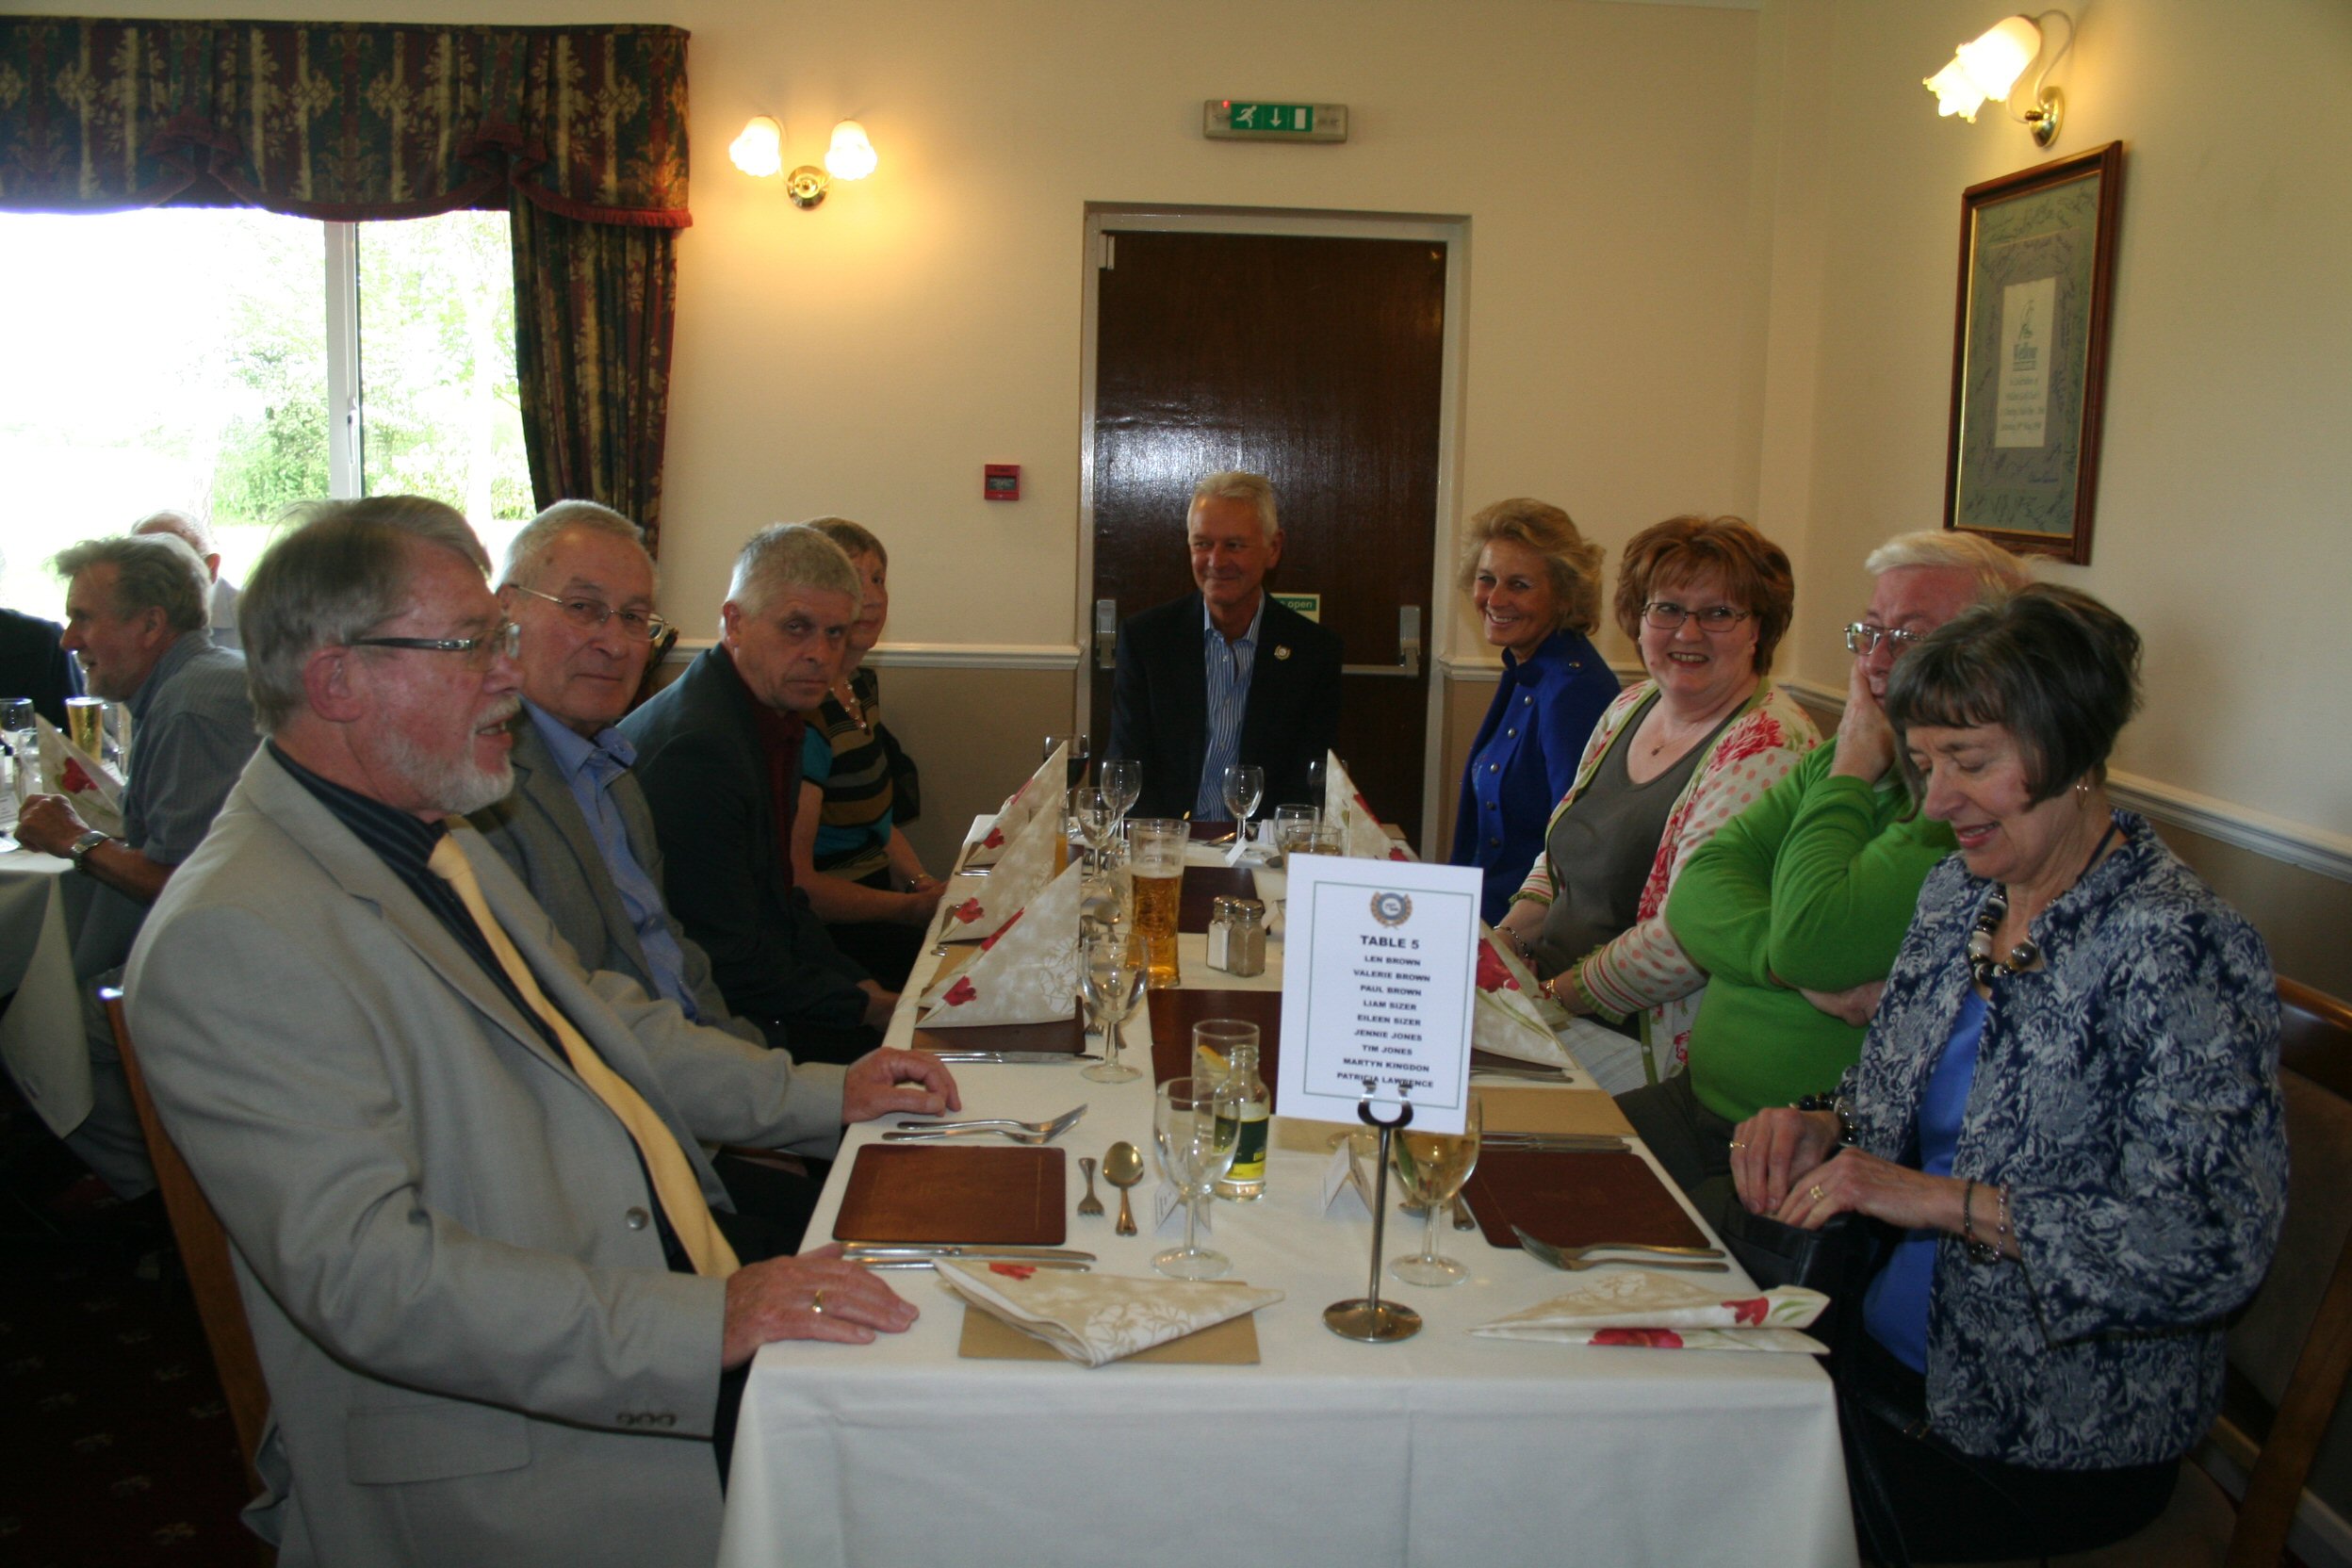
{"x":1157,"y":852}
{"x":86,"y":723}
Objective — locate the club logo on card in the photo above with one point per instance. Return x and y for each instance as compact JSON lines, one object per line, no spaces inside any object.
{"x":1391,"y":909}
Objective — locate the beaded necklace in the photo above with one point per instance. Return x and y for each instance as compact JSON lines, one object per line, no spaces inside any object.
{"x":1983,"y":963}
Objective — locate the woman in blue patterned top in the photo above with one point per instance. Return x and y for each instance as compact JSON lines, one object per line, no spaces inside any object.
{"x":2067,"y":1105}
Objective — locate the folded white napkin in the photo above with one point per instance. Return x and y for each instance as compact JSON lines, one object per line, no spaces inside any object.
{"x":1026,"y":972}
{"x":1361,"y":836}
{"x":1095,"y":1318}
{"x":1045,"y":794}
{"x":95,"y":789}
{"x":982,"y":904}
{"x":1668,"y":1312}
{"x":1512,"y":1018}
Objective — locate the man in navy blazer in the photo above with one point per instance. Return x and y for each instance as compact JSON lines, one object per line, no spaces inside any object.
{"x":1224,"y":675}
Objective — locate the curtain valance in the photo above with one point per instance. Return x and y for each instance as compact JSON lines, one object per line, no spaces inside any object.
{"x":344,"y":121}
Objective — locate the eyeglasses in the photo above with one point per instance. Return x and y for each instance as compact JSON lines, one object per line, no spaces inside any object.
{"x":591,"y":614}
{"x":505,"y":638}
{"x":1862,"y":637}
{"x":1668,"y":616}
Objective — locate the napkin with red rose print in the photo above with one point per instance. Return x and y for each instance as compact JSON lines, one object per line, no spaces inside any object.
{"x":1026,"y":972}
{"x":1046,"y":794}
{"x":1669,"y":1311}
{"x":1097,"y":1318}
{"x":979,"y":905}
{"x":1512,"y":1018}
{"x":1361,"y":837}
{"x":93,"y":788}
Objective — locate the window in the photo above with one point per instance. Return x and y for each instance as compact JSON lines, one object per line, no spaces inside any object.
{"x":195,"y":358}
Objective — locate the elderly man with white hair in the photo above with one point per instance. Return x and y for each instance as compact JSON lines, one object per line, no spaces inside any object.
{"x":197,"y":534}
{"x":719,"y":753}
{"x":1226,"y":675}
{"x":1796,"y":905}
{"x":134,"y":616}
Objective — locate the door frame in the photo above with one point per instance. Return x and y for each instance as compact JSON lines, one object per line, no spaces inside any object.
{"x":1454,"y":234}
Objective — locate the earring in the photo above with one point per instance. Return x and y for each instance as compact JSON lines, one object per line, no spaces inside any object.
{"x":2081,"y":788}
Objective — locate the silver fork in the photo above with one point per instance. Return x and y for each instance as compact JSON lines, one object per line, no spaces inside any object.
{"x":1020,"y":1131}
{"x":1089,"y":1204}
{"x":1576,"y":1259}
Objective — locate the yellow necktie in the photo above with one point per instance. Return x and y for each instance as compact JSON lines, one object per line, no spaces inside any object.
{"x":674,"y":1186}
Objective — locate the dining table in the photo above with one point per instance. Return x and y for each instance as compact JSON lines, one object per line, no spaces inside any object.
{"x":1444,"y":1447}
{"x":43,"y":908}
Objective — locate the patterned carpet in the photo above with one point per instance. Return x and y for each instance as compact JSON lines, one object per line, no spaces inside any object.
{"x":120,"y":1448}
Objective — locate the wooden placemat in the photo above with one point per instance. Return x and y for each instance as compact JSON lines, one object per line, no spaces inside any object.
{"x":1232,"y":1343}
{"x":983,"y":1197}
{"x":1203,"y":886}
{"x":1574,"y":1200}
{"x":1068,"y":1034}
{"x":1174,"y":1012}
{"x":1535,"y":1109}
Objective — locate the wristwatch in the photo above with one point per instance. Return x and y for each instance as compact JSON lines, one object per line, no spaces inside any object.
{"x":79,"y":852}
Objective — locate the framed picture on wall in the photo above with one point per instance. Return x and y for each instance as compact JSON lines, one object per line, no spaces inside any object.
{"x":2029,"y":360}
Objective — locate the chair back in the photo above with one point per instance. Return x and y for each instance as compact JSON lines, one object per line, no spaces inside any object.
{"x":204,"y":1253}
{"x":2294,"y":1344}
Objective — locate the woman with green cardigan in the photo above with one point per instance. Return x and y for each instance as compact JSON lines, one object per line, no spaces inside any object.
{"x":1796,"y":905}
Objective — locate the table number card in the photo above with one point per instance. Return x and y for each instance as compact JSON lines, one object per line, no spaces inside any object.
{"x":1382,"y":970}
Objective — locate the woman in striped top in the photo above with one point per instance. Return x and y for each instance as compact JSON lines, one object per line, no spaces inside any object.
{"x":861,"y":876}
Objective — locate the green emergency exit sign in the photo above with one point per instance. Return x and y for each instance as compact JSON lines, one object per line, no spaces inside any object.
{"x":1256,"y":120}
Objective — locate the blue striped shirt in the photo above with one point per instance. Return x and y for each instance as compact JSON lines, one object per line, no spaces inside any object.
{"x":1229,"y":665}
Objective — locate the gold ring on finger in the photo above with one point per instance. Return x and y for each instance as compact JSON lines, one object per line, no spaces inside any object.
{"x":1818,"y":1195}
{"x":1737,"y":1144}
{"x":816,"y":1302}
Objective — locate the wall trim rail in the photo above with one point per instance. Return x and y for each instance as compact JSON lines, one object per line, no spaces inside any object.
{"x":940,"y":656}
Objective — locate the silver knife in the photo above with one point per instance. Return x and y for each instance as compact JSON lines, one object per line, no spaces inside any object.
{"x":875,"y":1255}
{"x":1039,"y":1058}
{"x":1574,"y":1143}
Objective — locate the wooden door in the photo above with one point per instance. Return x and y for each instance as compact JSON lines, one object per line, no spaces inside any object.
{"x":1318,"y":362}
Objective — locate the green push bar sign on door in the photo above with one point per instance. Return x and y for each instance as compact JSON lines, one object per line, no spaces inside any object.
{"x":1249,"y":120}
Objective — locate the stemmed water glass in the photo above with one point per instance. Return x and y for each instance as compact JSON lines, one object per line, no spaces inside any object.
{"x":1431,"y":1167}
{"x":1097,"y":816}
{"x":1245,"y":786}
{"x":1122,"y":778}
{"x":23,"y":742}
{"x":1111,"y":973}
{"x":1195,"y":1126}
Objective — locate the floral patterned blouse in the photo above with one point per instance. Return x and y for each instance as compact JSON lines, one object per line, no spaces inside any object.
{"x":2127,"y":1094}
{"x":1645,"y":968}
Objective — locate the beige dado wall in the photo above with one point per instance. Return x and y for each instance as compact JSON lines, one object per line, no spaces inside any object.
{"x":1709,"y":263}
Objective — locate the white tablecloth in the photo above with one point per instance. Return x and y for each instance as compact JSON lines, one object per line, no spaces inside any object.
{"x":1444,"y":1448}
{"x":41,"y":908}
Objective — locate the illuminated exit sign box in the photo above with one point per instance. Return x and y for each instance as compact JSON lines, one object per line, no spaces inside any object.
{"x":1255,"y":120}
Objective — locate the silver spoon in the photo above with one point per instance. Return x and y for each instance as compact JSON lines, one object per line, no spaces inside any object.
{"x":1122,"y":1167}
{"x":1089,"y":1204}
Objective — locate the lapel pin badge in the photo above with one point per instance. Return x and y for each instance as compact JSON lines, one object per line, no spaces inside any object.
{"x":1282,"y":650}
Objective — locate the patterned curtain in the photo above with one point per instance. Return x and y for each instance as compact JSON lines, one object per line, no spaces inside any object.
{"x":592,"y":307}
{"x":580,"y":132}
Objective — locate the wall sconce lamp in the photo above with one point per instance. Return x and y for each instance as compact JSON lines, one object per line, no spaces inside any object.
{"x":1989,"y":66}
{"x":759,"y":152}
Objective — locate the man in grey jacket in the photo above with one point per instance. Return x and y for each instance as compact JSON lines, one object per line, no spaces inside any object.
{"x":461,"y":1176}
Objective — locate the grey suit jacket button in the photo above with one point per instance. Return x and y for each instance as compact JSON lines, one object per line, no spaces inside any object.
{"x":637,"y":1220}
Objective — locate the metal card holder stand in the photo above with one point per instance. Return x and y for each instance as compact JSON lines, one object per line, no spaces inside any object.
{"x":1369,"y":1319}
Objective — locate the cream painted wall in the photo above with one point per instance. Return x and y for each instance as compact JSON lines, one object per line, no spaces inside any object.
{"x":2224,"y":483}
{"x":868,"y":358}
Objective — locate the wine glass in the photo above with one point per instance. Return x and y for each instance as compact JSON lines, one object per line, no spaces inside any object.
{"x":1111,"y":973}
{"x":1079,"y":752}
{"x":1431,"y":1167}
{"x":1245,"y":786}
{"x":1097,"y":816}
{"x":23,"y":743}
{"x":1195,"y":1125}
{"x":1122,"y":778}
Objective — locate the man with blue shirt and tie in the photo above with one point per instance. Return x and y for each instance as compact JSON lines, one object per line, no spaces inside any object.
{"x":1224,"y":675}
